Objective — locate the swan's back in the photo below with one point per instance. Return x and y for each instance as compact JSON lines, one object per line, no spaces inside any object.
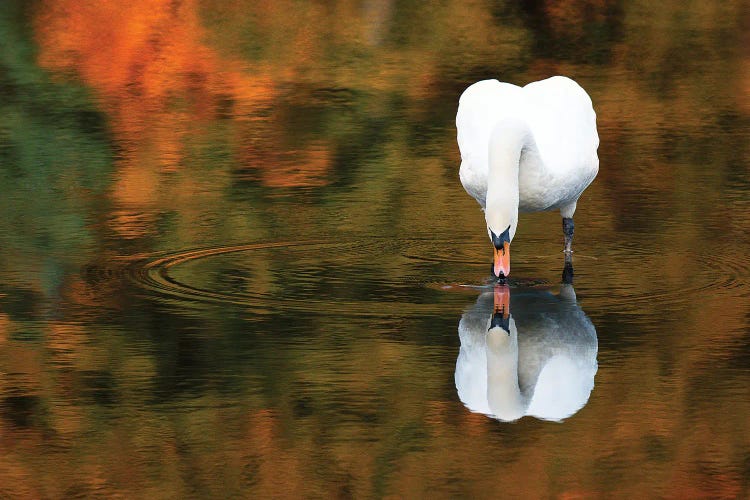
{"x":558,"y":112}
{"x":562,"y":119}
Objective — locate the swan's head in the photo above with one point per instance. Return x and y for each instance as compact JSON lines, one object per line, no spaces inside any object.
{"x":502,"y":219}
{"x":501,"y":243}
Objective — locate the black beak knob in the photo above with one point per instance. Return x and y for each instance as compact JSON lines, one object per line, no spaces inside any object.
{"x":500,"y":320}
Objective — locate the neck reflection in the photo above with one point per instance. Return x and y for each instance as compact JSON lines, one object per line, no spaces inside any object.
{"x":529,"y":352}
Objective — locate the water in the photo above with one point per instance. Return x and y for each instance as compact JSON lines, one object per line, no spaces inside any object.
{"x":236,"y":260}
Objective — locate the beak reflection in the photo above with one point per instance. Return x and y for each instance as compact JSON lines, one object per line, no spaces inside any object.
{"x":501,"y":308}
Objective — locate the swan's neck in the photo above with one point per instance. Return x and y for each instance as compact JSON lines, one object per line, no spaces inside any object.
{"x":503,"y":392}
{"x":508,"y":140}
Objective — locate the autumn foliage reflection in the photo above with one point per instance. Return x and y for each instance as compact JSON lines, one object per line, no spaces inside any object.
{"x":162,"y":86}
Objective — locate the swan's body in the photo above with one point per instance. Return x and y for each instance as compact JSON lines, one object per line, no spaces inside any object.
{"x":526,"y":149}
{"x":543,"y":366}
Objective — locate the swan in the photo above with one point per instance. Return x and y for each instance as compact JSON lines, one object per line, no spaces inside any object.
{"x":526,"y":149}
{"x":534,"y":354}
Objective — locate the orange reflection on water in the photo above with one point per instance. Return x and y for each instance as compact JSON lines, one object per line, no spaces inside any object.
{"x":4,"y":328}
{"x":161,"y":87}
{"x":309,"y":169}
{"x":143,"y":57}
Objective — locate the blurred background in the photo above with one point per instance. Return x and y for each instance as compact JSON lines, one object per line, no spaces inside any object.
{"x":232,"y":234}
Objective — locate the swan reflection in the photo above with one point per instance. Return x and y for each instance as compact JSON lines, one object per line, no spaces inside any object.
{"x":528,"y":352}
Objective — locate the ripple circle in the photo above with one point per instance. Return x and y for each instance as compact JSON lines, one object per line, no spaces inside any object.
{"x":362,"y":278}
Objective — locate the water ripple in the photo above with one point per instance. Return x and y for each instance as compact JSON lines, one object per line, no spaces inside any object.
{"x":360,"y":279}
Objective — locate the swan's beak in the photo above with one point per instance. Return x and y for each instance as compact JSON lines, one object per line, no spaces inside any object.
{"x":501,"y":312}
{"x":501,"y":267}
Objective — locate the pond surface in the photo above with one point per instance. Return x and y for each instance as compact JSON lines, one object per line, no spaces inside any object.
{"x":236,"y":259}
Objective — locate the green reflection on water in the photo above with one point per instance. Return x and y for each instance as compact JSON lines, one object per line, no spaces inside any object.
{"x":55,"y":152}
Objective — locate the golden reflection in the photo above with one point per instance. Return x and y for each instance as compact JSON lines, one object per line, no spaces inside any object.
{"x":4,"y":327}
{"x":526,"y":353}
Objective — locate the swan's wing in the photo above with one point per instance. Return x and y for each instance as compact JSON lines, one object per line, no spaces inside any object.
{"x":562,"y":118}
{"x":471,"y":366}
{"x":557,"y":360}
{"x":479,"y":108}
{"x":563,"y":387}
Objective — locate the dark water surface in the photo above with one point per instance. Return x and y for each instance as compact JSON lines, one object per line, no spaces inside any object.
{"x":233,"y":244}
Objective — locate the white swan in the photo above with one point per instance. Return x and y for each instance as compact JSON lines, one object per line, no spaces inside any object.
{"x":538,"y":360}
{"x":526,"y":149}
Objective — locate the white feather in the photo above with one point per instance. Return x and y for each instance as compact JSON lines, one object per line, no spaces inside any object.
{"x":557,"y":161}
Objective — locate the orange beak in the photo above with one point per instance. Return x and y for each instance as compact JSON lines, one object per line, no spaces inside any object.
{"x":502,"y":300}
{"x":502,"y":261}
{"x":501,"y":314}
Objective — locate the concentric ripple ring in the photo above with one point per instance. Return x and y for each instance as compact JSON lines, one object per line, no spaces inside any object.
{"x":157,"y":276}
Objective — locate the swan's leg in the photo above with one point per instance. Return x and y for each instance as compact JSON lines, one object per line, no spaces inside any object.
{"x":567,"y":274}
{"x":568,"y":226}
{"x":567,"y":214}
